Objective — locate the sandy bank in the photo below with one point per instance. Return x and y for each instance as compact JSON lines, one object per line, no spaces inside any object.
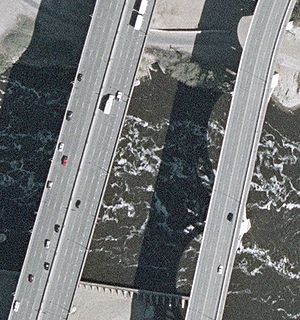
{"x":10,"y":10}
{"x":177,"y":14}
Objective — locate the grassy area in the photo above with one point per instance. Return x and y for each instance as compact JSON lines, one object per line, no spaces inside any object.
{"x":180,"y":66}
{"x":296,"y":13}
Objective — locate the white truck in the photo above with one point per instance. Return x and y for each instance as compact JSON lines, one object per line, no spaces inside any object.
{"x":138,"y":22}
{"x":109,"y":103}
{"x":143,"y":7}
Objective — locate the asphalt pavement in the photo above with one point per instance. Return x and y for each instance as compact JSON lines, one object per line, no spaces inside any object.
{"x":108,"y":64}
{"x":237,"y":160}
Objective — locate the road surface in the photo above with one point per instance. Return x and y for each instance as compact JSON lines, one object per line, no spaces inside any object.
{"x":108,"y":64}
{"x":237,"y":160}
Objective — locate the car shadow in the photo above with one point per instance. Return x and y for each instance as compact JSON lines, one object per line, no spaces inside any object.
{"x":36,"y":91}
{"x":181,"y":195}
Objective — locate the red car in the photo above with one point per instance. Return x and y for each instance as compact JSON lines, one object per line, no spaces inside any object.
{"x":64,"y":161}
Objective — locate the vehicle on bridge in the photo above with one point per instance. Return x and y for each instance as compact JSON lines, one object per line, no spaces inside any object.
{"x":61,"y":147}
{"x":16,"y":306}
{"x":47,"y":243}
{"x":220,"y":269}
{"x":109,"y":103}
{"x":64,"y":160}
{"x":141,"y":6}
{"x":119,"y":95}
{"x":77,"y":203}
{"x":49,"y":184}
{"x":30,"y":277}
{"x":230,"y":216}
{"x":138,"y":22}
{"x":69,"y":115}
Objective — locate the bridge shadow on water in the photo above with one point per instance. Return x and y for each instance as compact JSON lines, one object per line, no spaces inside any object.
{"x":180,"y":200}
{"x":37,"y":88}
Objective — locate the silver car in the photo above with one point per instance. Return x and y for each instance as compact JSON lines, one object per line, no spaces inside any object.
{"x":61,"y":147}
{"x":49,"y":184}
{"x":47,"y":243}
{"x":220,"y":269}
{"x":16,"y":306}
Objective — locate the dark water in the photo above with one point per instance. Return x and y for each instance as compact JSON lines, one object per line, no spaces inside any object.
{"x":30,"y":119}
{"x":151,"y":219}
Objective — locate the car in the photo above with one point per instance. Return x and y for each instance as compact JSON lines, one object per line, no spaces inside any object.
{"x":30,"y":277}
{"x":79,"y":76}
{"x":46,"y":265}
{"x":16,"y":306}
{"x":230,"y":216}
{"x":56,"y":227}
{"x":77,"y":203}
{"x":47,"y":243}
{"x":60,"y":147}
{"x":119,"y":95}
{"x":49,"y":184}
{"x":64,"y":160}
{"x":220,"y":269}
{"x":69,"y":115}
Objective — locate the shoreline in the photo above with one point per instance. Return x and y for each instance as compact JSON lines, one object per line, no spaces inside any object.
{"x":169,"y":19}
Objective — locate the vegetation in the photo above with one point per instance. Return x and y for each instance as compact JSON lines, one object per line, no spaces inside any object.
{"x":180,"y":66}
{"x":4,"y":62}
{"x":296,"y":13}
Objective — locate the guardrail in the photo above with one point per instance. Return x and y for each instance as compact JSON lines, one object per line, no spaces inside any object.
{"x":186,"y":31}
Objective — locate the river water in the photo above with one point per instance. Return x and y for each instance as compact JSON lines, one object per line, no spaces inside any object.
{"x":150,"y":225}
{"x":149,"y":229}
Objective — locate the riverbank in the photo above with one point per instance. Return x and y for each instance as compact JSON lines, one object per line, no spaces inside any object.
{"x":287,"y":93}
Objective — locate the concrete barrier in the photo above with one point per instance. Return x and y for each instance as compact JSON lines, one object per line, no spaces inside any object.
{"x":145,"y":295}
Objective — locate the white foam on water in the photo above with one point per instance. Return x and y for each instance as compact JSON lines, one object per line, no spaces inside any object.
{"x":282,"y":266}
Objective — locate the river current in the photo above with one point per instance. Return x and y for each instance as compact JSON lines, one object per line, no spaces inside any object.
{"x":151,"y":222}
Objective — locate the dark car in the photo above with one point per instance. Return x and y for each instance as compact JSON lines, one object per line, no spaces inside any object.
{"x":79,"y":76}
{"x":30,"y":277}
{"x":77,"y":203}
{"x":69,"y":115}
{"x":46,"y":265}
{"x":56,"y":228}
{"x":64,"y":160}
{"x":230,"y":216}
